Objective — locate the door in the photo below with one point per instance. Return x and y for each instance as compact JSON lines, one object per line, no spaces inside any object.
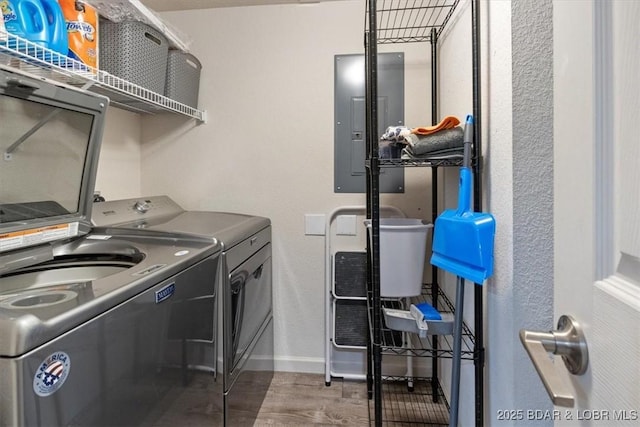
{"x":597,"y":203}
{"x":349,"y":125}
{"x":249,"y":307}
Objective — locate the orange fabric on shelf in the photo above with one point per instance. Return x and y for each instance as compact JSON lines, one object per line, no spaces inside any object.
{"x":448,"y":122}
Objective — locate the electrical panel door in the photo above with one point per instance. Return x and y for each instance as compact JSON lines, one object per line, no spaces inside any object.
{"x":350,"y":123}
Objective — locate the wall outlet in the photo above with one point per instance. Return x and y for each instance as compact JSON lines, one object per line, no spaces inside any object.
{"x":314,"y":224}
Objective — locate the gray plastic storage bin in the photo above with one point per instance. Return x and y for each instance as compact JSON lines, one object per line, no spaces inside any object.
{"x":135,"y":52}
{"x":183,"y":78}
{"x":403,"y":245}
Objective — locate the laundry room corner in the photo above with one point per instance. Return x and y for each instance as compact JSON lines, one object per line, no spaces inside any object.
{"x":267,"y":146}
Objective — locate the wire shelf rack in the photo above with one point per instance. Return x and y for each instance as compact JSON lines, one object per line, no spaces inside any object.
{"x":405,"y":21}
{"x":424,"y":405}
{"x":392,"y":163}
{"x":29,"y":57}
{"x":393,"y":341}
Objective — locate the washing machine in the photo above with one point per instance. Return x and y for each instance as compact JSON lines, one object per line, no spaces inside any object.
{"x":243,"y":351}
{"x":94,"y":325}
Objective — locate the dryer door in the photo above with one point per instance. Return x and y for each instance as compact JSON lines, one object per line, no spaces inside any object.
{"x":248,"y":306}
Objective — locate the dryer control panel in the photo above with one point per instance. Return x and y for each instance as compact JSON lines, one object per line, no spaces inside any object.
{"x":117,"y":212}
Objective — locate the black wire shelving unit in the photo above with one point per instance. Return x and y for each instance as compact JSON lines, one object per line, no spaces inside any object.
{"x":409,"y":21}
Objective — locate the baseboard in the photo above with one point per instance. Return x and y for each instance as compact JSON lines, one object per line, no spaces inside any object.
{"x":315,"y":365}
{"x":309,"y":365}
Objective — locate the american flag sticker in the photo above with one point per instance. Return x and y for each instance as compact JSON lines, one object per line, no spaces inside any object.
{"x":51,"y":374}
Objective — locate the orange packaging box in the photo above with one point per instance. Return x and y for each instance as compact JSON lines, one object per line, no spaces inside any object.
{"x":82,"y":31}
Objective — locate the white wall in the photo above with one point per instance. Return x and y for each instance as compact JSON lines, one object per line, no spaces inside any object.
{"x":455,"y":83}
{"x":267,"y":148}
{"x":456,"y":98}
{"x":118,"y":175}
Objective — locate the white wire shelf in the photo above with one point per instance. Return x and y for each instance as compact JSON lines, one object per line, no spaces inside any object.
{"x":19,"y":53}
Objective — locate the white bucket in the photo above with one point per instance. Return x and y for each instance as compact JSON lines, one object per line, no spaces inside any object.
{"x":403,"y":245}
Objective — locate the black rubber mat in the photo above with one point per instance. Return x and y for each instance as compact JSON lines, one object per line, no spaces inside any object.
{"x":351,"y":323}
{"x":350,"y":274}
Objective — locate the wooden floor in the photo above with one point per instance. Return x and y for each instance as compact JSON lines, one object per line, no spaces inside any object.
{"x":296,"y":399}
{"x":303,"y":399}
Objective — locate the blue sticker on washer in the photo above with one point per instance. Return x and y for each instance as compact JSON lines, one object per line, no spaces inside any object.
{"x":51,"y":374}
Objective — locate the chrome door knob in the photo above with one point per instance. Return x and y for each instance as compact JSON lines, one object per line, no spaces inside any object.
{"x":567,"y":341}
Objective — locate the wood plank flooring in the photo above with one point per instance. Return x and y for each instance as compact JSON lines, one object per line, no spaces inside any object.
{"x":296,"y":399}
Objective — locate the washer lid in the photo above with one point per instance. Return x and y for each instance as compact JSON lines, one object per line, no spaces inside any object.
{"x":50,"y":152}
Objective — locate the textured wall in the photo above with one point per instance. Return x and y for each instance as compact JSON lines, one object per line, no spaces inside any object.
{"x":501,"y":341}
{"x":532,"y":67}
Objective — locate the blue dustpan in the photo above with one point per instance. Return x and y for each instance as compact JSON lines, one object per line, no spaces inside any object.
{"x":463,"y":240}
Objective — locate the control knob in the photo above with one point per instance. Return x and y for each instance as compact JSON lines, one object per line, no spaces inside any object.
{"x":142,"y":206}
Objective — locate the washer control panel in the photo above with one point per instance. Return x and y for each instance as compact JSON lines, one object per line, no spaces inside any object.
{"x":115,"y":212}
